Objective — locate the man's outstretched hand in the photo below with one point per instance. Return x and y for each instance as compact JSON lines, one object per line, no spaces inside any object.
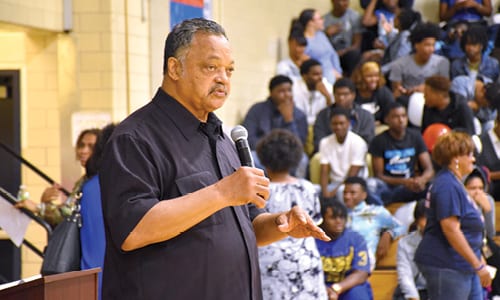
{"x":298,"y":224}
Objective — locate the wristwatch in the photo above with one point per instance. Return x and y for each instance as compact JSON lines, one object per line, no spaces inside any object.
{"x":337,"y":288}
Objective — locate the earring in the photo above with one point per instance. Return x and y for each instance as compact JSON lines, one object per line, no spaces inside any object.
{"x":456,"y":164}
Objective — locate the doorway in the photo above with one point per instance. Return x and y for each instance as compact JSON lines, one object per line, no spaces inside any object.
{"x":10,"y":108}
{"x":10,"y":167}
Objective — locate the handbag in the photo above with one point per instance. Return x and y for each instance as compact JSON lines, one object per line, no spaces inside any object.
{"x":63,"y":252}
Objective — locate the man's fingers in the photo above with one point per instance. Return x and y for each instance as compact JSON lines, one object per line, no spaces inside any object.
{"x":259,"y":201}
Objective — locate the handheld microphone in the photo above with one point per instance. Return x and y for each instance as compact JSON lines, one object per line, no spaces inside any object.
{"x":239,"y":134}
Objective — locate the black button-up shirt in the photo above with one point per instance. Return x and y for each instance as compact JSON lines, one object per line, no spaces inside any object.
{"x":162,"y":152}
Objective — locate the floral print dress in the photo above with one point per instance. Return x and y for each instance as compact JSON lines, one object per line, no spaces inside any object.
{"x":291,"y":268}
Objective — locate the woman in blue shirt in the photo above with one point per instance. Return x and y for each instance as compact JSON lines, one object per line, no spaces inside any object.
{"x":449,"y":255}
{"x":310,"y":24}
{"x":92,"y":239}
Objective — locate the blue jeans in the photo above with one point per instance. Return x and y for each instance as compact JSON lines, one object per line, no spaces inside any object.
{"x":389,"y":194}
{"x":448,"y":284}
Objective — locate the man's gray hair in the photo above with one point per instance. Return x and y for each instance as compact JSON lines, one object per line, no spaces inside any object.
{"x":182,"y":34}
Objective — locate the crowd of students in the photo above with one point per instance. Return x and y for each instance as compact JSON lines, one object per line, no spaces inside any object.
{"x":359,"y":91}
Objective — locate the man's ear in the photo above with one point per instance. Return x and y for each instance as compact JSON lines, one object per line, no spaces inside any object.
{"x":174,"y":68}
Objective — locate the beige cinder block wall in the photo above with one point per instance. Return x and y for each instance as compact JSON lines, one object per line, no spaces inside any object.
{"x":100,"y":65}
{"x":34,"y":54}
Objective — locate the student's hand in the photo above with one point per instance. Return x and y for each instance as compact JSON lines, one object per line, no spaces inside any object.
{"x":286,"y":110}
{"x":415,"y":184}
{"x":320,"y":87}
{"x":51,"y":194}
{"x":473,"y":105}
{"x":466,"y":4}
{"x":377,"y":44}
{"x":298,"y":224}
{"x":27,"y":204}
{"x":330,"y":194}
{"x":334,"y":29}
{"x":481,"y":199}
{"x":419,"y":184}
{"x":386,"y":25}
{"x":246,"y":185}
{"x":331,"y":294}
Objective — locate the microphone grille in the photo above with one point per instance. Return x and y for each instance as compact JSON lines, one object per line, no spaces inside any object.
{"x":239,"y":132}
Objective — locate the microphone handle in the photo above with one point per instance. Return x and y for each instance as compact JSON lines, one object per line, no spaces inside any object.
{"x":244,"y":153}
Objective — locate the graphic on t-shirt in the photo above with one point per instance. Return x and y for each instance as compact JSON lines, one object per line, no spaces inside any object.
{"x":397,"y":161}
{"x":336,"y":267}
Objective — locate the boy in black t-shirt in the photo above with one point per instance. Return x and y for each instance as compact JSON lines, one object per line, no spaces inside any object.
{"x":397,"y":154}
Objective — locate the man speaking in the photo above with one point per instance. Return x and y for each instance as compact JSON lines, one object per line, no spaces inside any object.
{"x":182,"y":218}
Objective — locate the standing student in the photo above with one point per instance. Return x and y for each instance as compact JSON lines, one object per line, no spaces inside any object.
{"x":290,"y":268}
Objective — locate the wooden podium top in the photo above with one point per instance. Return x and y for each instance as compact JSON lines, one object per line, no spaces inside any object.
{"x":71,"y":285}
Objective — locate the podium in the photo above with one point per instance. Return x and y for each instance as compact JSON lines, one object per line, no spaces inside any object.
{"x":78,"y":285}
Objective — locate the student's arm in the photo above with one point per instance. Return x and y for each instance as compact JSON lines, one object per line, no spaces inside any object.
{"x":357,"y":277}
{"x":369,"y":17}
{"x":483,"y":9}
{"x":353,"y":171}
{"x":451,"y":230}
{"x":397,"y":89}
{"x":425,"y":162}
{"x":324,"y":179}
{"x":406,"y":277}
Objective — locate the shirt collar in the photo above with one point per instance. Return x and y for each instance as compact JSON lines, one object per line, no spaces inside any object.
{"x":184,"y":120}
{"x":361,"y":205}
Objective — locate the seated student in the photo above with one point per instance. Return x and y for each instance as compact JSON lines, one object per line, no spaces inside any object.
{"x":476,"y":184}
{"x":383,"y":17}
{"x":310,"y":24}
{"x":464,"y":10}
{"x":374,"y":222}
{"x":296,"y":56}
{"x":343,"y":27}
{"x":474,"y":91}
{"x":446,"y":107}
{"x":370,"y":33}
{"x":343,"y":154}
{"x":361,"y":121}
{"x":495,"y":41}
{"x":280,"y":152}
{"x":408,"y":73}
{"x":449,"y":46}
{"x":277,"y":111}
{"x":371,"y":92}
{"x":399,"y":43}
{"x":397,"y":154}
{"x":473,"y":42}
{"x":311,"y":91}
{"x":411,"y":283}
{"x":345,"y":258}
{"x":490,"y":153}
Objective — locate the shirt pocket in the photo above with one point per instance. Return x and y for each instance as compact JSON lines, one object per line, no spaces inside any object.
{"x":194,"y":182}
